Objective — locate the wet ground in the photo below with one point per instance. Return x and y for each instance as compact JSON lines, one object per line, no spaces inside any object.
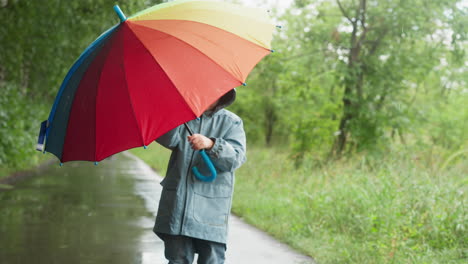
{"x":82,"y":213}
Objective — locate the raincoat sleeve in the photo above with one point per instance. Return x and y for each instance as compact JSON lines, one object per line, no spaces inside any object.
{"x":171,"y":139}
{"x":228,"y":152}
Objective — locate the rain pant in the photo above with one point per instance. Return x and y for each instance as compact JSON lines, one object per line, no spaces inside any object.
{"x":188,"y":206}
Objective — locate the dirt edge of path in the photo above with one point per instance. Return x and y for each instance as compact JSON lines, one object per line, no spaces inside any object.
{"x":21,"y":175}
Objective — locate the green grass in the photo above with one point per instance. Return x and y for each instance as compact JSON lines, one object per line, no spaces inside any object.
{"x":155,"y":156}
{"x":392,"y":209}
{"x":397,"y":208}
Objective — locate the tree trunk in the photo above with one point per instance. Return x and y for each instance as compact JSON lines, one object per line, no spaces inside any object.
{"x":355,"y":77}
{"x":270,"y":119}
{"x":340,"y":142}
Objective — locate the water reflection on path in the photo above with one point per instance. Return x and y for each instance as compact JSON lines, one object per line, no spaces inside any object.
{"x":81,"y":213}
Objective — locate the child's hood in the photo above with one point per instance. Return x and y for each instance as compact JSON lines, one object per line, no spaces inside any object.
{"x":225,"y":100}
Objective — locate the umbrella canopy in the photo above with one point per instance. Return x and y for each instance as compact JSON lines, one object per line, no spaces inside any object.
{"x":152,"y":72}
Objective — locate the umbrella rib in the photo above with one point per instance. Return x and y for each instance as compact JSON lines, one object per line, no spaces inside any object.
{"x":195,"y":48}
{"x":110,"y":43}
{"x":106,"y":39}
{"x":102,"y":39}
{"x":130,"y":97}
{"x":77,"y":63}
{"x":133,"y":109}
{"x":168,"y":77}
{"x":237,"y":69}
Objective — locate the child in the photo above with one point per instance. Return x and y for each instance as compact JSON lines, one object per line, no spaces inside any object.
{"x":193,"y":215}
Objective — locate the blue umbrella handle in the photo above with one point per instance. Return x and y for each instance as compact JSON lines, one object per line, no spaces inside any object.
{"x":207,"y":161}
{"x":210,"y":165}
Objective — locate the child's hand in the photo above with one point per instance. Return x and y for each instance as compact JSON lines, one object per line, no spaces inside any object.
{"x":199,"y":142}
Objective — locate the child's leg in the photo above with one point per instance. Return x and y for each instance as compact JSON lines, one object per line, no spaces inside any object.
{"x":178,"y":249}
{"x":209,"y":252}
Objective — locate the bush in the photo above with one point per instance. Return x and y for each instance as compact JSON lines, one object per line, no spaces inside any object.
{"x":19,"y":125}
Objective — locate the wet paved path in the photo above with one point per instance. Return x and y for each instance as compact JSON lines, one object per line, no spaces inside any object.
{"x":81,"y":213}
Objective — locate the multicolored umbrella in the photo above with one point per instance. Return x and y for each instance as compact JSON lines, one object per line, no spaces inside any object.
{"x":151,"y":73}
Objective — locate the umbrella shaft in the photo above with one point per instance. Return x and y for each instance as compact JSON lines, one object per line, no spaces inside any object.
{"x":188,"y":129}
{"x":120,"y":13}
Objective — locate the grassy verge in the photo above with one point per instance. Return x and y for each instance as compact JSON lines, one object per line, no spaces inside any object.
{"x":397,"y":208}
{"x":155,"y":156}
{"x":392,"y":209}
{"x":33,"y":162}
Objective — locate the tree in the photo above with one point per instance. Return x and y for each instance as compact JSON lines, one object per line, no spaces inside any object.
{"x":388,"y":45}
{"x":349,"y":75}
{"x":44,"y":38}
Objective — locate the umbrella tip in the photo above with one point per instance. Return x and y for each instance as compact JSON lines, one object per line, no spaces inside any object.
{"x":145,"y":147}
{"x":120,"y":13}
{"x":61,"y":164}
{"x":244,"y":84}
{"x":96,"y":163}
{"x":272,"y":50}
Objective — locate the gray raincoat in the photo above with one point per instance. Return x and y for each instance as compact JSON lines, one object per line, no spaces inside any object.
{"x":189,"y":206}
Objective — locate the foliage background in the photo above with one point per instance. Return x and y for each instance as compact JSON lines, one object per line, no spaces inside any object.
{"x":39,"y":41}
